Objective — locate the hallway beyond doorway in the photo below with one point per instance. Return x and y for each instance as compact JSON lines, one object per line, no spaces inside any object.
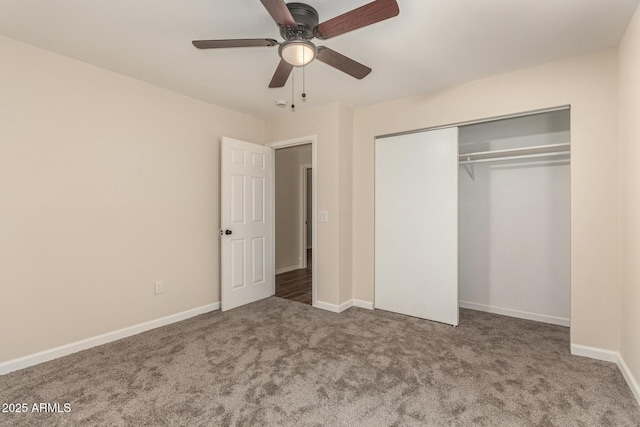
{"x":296,"y":285}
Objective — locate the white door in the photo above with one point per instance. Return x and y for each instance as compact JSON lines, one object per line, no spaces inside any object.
{"x":416,"y":225}
{"x":247,"y":230}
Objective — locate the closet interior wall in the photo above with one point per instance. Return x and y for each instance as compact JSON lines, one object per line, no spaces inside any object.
{"x":514,"y":242}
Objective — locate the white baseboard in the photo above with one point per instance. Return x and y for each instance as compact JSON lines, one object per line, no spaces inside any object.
{"x":628,"y":376}
{"x":363,"y":304}
{"x":287,"y":269}
{"x":54,"y":353}
{"x":561,"y":321}
{"x":344,"y":306}
{"x":327,"y":306}
{"x":609,"y":356}
{"x":594,"y":353}
{"x":333,"y":307}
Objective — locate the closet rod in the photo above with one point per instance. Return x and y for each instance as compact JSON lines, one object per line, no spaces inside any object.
{"x":515,"y":152}
{"x":520,"y":156}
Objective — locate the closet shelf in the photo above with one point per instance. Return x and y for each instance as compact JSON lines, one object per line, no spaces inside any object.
{"x":515,"y":153}
{"x":552,"y":150}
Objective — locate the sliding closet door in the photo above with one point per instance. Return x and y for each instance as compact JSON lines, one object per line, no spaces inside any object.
{"x":416,"y":225}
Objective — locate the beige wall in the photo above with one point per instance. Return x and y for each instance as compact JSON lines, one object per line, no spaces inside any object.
{"x":288,"y":199}
{"x":630,"y":195}
{"x":106,"y":185}
{"x":345,"y":171}
{"x":589,"y":84}
{"x":325,"y":123}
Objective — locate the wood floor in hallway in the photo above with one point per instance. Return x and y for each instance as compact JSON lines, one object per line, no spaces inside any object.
{"x":296,"y":285}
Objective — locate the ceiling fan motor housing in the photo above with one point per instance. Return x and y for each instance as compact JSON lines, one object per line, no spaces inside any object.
{"x":306,"y":18}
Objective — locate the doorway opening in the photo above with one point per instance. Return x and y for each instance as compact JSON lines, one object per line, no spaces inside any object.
{"x":294,"y":220}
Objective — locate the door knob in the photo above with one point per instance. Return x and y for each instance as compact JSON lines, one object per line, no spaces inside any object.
{"x":228,"y":232}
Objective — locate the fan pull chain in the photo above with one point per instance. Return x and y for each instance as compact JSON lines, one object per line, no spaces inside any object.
{"x":304,"y":91}
{"x":293,"y":83}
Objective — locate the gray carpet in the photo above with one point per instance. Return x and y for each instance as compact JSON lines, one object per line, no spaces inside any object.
{"x":277,"y":362}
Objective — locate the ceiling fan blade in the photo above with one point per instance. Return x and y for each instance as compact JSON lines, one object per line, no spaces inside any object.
{"x":368,"y":14}
{"x":281,"y":75}
{"x":279,"y":12}
{"x":218,"y":44}
{"x":342,"y":63}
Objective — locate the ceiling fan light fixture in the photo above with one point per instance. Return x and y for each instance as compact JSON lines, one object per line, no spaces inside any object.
{"x":298,"y":52}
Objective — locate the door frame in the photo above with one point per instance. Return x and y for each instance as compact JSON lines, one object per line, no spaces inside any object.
{"x":304,"y":239}
{"x":303,"y":140}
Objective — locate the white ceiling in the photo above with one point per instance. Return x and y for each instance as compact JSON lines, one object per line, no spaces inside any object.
{"x":430,"y":45}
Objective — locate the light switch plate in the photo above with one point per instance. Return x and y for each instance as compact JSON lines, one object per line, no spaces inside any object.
{"x":323,"y":216}
{"x":159,"y":287}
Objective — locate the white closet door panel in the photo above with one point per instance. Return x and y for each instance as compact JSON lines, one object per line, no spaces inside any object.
{"x":416,"y":225}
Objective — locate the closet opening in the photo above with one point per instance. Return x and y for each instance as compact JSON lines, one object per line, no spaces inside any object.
{"x":514,"y":217}
{"x":487,"y":209}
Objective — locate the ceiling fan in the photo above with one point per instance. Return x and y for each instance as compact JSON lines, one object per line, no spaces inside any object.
{"x":298,"y":23}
